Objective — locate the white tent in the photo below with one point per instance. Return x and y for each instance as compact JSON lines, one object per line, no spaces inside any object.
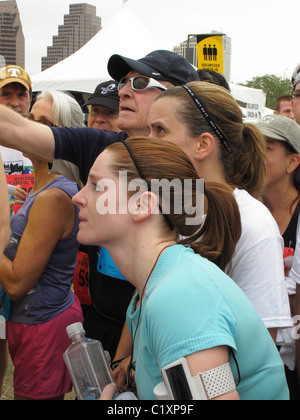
{"x":124,"y":34}
{"x":85,"y":69}
{"x":249,"y":96}
{"x":252,"y":101}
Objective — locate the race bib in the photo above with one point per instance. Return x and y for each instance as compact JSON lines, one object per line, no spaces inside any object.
{"x":81,"y":279}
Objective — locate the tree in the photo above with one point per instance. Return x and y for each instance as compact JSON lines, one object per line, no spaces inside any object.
{"x":273,"y":86}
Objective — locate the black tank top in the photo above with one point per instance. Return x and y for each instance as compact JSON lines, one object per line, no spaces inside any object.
{"x":290,"y":235}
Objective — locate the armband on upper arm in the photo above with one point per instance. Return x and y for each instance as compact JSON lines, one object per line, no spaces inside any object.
{"x":218,"y":381}
{"x":180,"y":384}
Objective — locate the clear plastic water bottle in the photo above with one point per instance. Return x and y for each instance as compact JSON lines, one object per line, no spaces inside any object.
{"x":87,"y":365}
{"x":11,"y":189}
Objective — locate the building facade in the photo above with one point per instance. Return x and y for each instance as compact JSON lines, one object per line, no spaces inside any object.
{"x":12,"y":41}
{"x":80,"y":25}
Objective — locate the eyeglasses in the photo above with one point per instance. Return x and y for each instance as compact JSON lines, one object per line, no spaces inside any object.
{"x":296,"y":94}
{"x":140,"y":83}
{"x":43,"y":121}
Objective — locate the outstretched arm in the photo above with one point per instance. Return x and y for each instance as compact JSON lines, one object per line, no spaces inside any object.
{"x":16,"y":132}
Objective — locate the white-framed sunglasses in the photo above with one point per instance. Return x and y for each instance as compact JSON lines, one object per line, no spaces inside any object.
{"x":140,"y":83}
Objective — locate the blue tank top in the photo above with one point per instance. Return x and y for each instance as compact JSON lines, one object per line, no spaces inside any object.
{"x":52,"y":294}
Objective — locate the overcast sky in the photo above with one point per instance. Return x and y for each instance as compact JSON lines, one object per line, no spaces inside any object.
{"x":263,"y":32}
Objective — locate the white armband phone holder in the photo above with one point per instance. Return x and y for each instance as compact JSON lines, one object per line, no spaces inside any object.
{"x":179,"y":384}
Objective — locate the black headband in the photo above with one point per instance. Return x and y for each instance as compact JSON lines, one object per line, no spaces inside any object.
{"x":144,"y":179}
{"x":208,"y":119}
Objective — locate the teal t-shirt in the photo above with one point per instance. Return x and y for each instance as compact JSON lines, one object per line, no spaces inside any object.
{"x":191,"y":305}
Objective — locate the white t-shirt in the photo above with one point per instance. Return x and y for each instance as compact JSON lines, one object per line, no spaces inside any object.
{"x":294,"y":275}
{"x":15,"y":163}
{"x":257,"y":265}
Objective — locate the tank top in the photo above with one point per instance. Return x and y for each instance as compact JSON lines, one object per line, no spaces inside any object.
{"x":290,"y":241}
{"x":52,"y":294}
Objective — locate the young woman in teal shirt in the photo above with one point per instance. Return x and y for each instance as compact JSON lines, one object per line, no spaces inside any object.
{"x":185,"y":306}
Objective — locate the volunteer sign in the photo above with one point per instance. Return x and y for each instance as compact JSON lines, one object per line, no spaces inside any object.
{"x":210,"y":52}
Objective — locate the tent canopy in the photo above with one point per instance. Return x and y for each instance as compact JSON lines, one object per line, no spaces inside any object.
{"x":125,"y":35}
{"x":249,"y":96}
{"x":86,"y":68}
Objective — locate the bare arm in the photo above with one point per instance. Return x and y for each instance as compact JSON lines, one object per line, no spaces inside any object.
{"x":16,"y":132}
{"x":201,"y":361}
{"x":123,"y":353}
{"x":54,"y":209}
{"x":125,"y":344}
{"x":273,"y":333}
{"x":210,"y":359}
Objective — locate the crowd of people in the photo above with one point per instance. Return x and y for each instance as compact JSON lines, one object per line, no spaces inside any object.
{"x":218,"y":285}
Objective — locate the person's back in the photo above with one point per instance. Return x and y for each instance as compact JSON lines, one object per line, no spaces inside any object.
{"x":191,"y":305}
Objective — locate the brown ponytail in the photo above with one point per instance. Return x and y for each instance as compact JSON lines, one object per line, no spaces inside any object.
{"x":246,"y":168}
{"x":221,"y":230}
{"x":153,"y":159}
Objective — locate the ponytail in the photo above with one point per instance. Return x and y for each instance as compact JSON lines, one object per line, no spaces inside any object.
{"x":218,"y":236}
{"x":247,"y":167}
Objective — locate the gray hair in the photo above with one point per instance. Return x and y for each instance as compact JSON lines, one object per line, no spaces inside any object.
{"x":66,"y":110}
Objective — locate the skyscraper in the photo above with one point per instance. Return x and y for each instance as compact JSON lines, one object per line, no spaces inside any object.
{"x":12,"y":41}
{"x":80,"y":25}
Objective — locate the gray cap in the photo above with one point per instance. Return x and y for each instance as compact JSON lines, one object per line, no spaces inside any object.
{"x":278,"y":127}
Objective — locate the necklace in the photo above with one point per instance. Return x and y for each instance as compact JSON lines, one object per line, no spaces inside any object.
{"x":131,"y":366}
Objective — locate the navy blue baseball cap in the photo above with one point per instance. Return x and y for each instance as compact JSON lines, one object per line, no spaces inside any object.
{"x":159,"y":65}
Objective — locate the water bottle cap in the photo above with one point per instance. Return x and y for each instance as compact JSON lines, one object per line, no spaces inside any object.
{"x":75,"y":329}
{"x":11,"y":189}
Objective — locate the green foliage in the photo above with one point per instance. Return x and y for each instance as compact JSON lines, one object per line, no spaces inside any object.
{"x":274,"y":87}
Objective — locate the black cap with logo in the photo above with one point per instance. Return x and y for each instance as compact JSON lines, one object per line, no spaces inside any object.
{"x":106,"y":94}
